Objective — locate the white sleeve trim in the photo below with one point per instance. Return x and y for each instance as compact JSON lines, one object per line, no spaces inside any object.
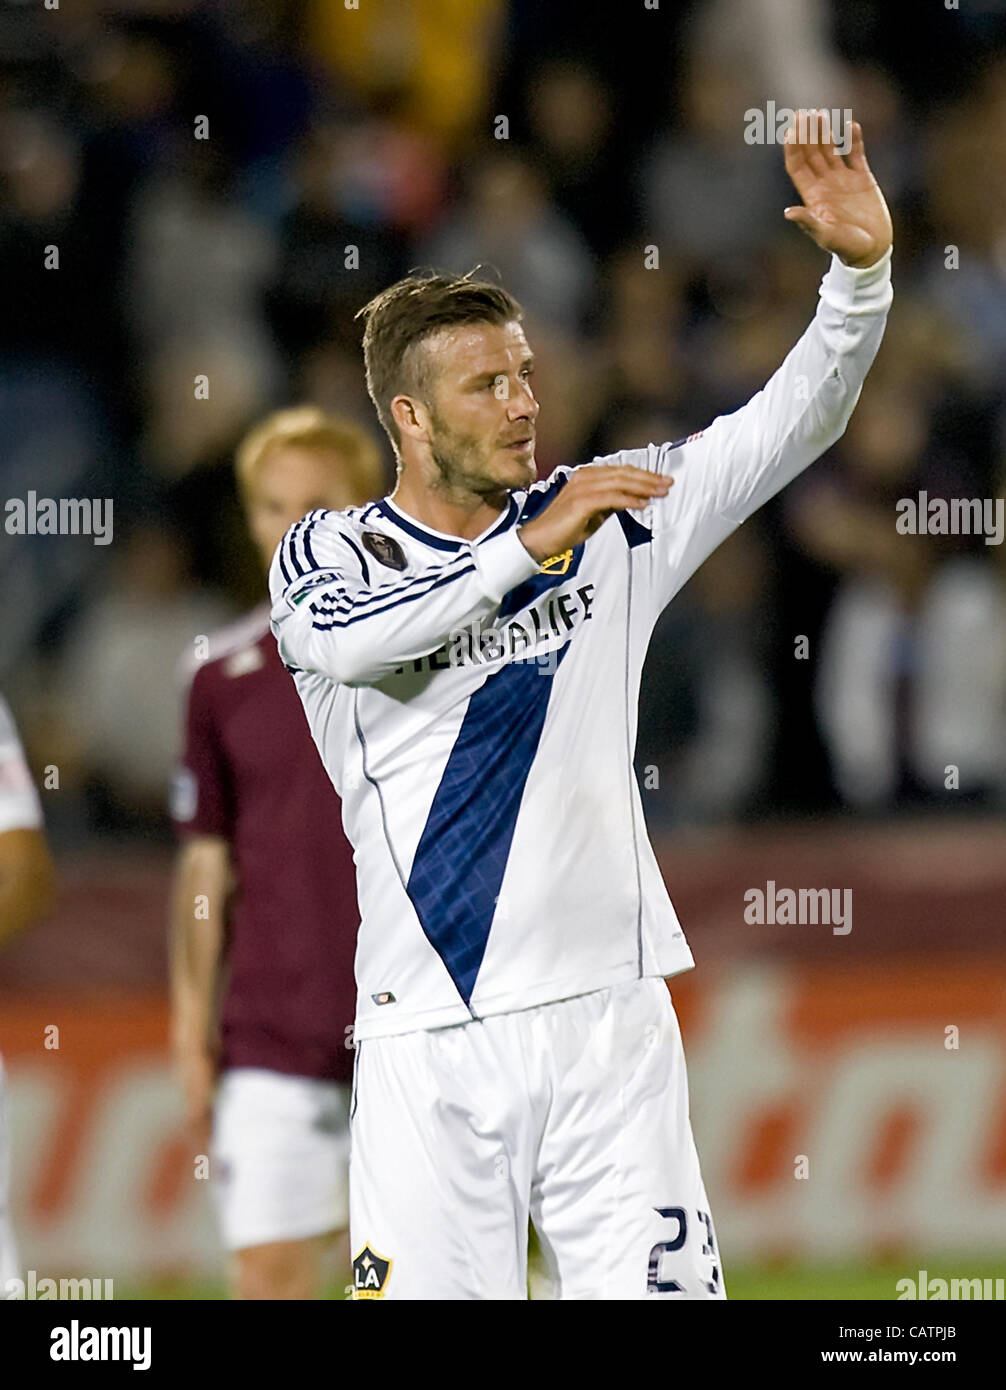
{"x":503,"y":563}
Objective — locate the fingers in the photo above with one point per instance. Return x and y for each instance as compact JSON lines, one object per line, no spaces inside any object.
{"x":590,"y":497}
{"x":627,"y":475}
{"x":794,"y":155}
{"x":856,"y":158}
{"x":809,"y":144}
{"x":617,"y":488}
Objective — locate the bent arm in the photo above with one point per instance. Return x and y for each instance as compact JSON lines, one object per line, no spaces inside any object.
{"x":330,"y":619}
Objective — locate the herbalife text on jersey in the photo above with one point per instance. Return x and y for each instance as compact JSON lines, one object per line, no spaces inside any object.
{"x":63,"y":516}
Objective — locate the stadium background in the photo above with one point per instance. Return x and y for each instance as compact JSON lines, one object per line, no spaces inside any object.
{"x":380,"y":128}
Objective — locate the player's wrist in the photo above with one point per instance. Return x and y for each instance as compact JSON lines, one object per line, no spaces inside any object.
{"x":868,"y":262}
{"x":865,"y":289}
{"x":532,"y":543}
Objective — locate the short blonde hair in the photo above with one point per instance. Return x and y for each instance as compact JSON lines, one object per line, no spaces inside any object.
{"x":309,"y":427}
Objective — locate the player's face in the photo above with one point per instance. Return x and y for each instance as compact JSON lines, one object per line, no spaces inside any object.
{"x":483,"y":411}
{"x":291,"y":480}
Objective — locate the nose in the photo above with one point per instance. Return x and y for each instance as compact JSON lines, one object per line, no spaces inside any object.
{"x":521,"y":403}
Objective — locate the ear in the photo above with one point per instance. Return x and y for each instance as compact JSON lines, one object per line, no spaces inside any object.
{"x":411,"y":417}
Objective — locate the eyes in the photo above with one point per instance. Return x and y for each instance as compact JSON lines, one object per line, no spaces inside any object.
{"x":499,"y":385}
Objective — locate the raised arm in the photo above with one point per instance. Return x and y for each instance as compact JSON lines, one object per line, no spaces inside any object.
{"x":727,"y":471}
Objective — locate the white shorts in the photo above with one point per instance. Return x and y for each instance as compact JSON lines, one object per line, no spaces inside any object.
{"x":572,"y":1114}
{"x":9,"y":1268}
{"x":279,"y":1157}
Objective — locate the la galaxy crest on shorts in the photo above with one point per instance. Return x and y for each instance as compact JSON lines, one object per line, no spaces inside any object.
{"x":371,"y":1273}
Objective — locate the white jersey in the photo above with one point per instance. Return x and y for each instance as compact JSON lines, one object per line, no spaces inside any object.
{"x":20,"y":808}
{"x":477,"y":713}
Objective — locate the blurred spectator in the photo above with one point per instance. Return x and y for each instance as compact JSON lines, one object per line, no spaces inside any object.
{"x":336,"y":250}
{"x":571,"y":145}
{"x":50,"y":310}
{"x":507,"y":221}
{"x":117,"y":677}
{"x":967,"y":179}
{"x":783,"y":48}
{"x":699,"y":178}
{"x":194,"y":282}
{"x":913,"y":663}
{"x":641,"y":345}
{"x":433,"y":56}
{"x":51,"y":360}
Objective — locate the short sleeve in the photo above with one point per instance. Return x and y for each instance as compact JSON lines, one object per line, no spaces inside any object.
{"x":202,"y":793}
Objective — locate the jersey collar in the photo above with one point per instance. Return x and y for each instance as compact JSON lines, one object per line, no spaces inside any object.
{"x":438,"y":539}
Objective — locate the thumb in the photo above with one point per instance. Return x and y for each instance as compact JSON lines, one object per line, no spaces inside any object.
{"x":803,"y":217}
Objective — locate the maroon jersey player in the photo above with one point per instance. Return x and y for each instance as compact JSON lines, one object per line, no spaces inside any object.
{"x":264,"y":911}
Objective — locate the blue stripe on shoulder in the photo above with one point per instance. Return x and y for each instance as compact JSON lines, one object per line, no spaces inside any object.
{"x":635,"y":532}
{"x":537,"y":501}
{"x":289,"y":542}
{"x":353,"y":616}
{"x":359,"y":555}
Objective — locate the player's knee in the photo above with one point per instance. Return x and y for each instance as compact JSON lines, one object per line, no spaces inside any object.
{"x":286,"y":1270}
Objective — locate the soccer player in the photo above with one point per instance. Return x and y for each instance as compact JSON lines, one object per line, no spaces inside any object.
{"x":264,"y":911}
{"x":27,"y":881}
{"x":468,"y":651}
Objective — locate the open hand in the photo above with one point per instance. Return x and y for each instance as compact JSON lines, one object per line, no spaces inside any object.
{"x":844,"y":210}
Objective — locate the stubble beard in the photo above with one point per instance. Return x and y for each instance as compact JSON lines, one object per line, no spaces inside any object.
{"x":461,"y":467}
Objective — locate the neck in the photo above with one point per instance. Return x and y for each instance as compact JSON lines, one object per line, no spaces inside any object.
{"x":453,"y":510}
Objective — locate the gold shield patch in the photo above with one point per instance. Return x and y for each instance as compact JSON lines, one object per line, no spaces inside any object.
{"x":558,"y":564}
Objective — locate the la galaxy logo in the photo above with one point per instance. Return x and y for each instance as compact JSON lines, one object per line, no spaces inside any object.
{"x":558,"y":564}
{"x":385,"y":549}
{"x":370,"y":1274}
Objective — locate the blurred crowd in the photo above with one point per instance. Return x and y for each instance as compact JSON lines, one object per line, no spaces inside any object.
{"x":820,"y":660}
